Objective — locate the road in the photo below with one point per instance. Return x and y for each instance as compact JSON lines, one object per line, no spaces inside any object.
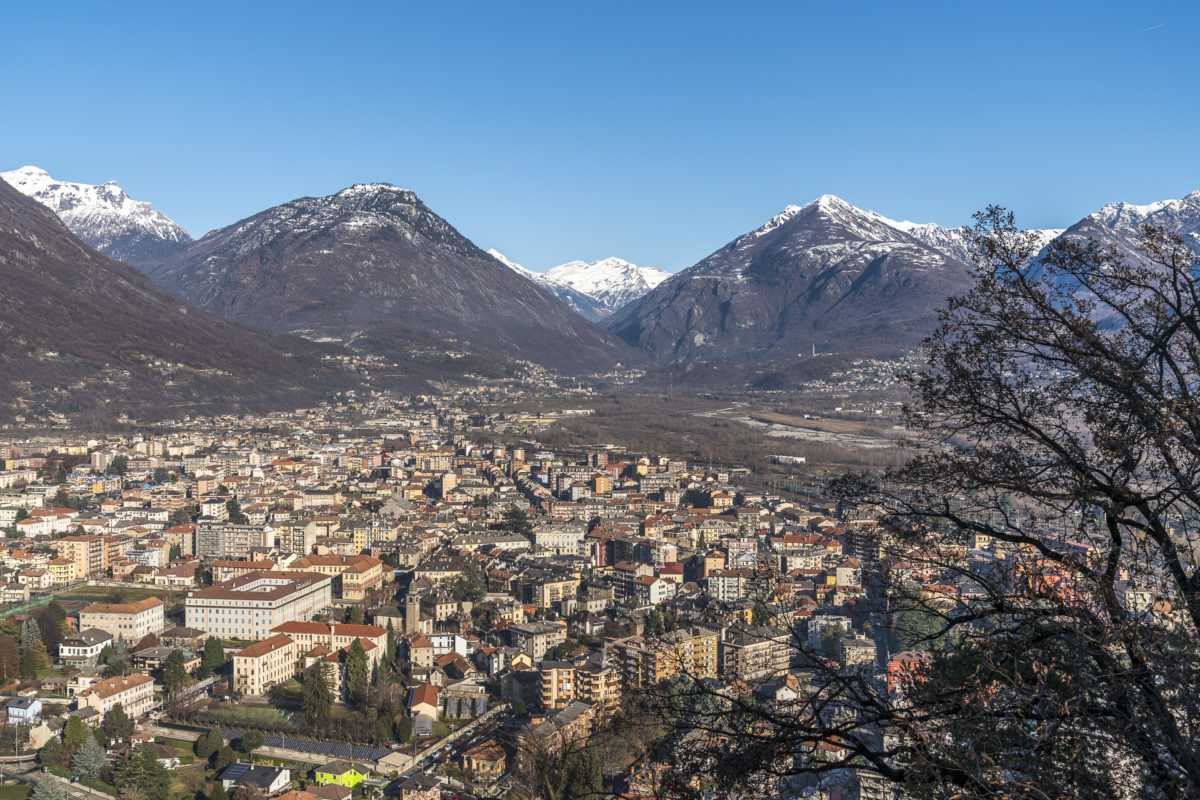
{"x":455,"y":741}
{"x":74,"y":790}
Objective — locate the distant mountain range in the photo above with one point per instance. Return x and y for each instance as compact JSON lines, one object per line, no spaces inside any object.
{"x":594,"y":289}
{"x":835,"y":279}
{"x":105,"y":217}
{"x":91,"y":337}
{"x":373,"y":269}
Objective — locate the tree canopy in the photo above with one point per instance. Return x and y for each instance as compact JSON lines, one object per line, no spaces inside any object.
{"x":1053,"y":492}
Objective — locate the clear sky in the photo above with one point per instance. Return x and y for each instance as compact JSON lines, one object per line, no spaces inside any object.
{"x":654,"y":131}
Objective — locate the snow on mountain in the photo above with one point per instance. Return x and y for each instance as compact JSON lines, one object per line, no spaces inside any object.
{"x":955,"y":242}
{"x":594,"y":289}
{"x":1125,"y":220}
{"x":824,"y":274}
{"x":612,"y":282}
{"x":105,"y":217}
{"x":524,"y":272}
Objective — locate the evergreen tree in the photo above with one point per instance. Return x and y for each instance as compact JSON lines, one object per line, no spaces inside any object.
{"x":48,"y":788}
{"x":357,"y":673}
{"x":117,"y":724}
{"x":250,"y":741}
{"x":10,"y":659}
{"x":174,"y":672}
{"x":29,"y":663}
{"x":236,"y":516}
{"x":75,"y":733}
{"x":51,"y":629}
{"x":116,"y":668}
{"x":316,"y":697}
{"x":156,"y":780}
{"x":517,"y":521}
{"x":218,"y":791}
{"x":51,"y":754}
{"x":208,"y":744}
{"x":106,"y":655}
{"x":223,"y":758}
{"x":583,"y":778}
{"x":89,"y":759}
{"x":471,"y":584}
{"x":31,"y":633}
{"x":211,"y":659}
{"x":404,"y":728}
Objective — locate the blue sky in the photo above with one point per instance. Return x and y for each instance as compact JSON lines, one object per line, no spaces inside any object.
{"x":652,"y":131}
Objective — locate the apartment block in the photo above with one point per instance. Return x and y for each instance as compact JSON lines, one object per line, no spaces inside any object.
{"x":127,"y":621}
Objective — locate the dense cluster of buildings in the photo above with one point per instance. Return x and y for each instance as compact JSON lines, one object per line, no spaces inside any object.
{"x":495,"y":570}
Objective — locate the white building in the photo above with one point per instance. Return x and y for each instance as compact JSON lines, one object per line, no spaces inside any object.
{"x":249,"y":606}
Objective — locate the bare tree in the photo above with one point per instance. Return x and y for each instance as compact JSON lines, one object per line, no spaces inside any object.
{"x":1041,"y":547}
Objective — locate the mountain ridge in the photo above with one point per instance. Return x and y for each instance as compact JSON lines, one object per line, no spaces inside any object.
{"x":86,"y":334}
{"x":105,"y":217}
{"x":372,"y":265}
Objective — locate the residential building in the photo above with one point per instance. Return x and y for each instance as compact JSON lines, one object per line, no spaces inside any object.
{"x":485,"y":762}
{"x":127,"y":621}
{"x":341,"y":773}
{"x":220,"y":540}
{"x":135,"y":694}
{"x":266,"y":779}
{"x":353,"y":576}
{"x":538,"y":638}
{"x":263,"y":665}
{"x":84,"y":648}
{"x":754,"y":654}
{"x":86,"y":554}
{"x":646,"y":662}
{"x":24,"y":711}
{"x":591,"y":680}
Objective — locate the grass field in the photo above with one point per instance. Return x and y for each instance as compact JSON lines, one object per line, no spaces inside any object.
{"x":15,"y":791}
{"x":128,"y":594}
{"x":250,"y":716}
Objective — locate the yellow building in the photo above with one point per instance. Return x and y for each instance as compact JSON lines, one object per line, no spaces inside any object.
{"x":62,"y":570}
{"x":647,"y":661}
{"x":341,"y":773}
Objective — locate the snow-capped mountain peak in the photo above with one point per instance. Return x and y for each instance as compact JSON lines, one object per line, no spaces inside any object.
{"x":594,"y":289}
{"x":612,"y":281}
{"x":104,"y":216}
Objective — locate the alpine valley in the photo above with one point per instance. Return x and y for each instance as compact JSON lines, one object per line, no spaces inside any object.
{"x":370,"y":272}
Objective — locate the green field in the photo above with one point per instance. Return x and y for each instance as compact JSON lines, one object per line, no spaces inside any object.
{"x":92,"y":594}
{"x":15,"y":791}
{"x":247,"y":716}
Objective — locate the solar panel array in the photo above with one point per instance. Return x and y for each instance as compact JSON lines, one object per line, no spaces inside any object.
{"x":235,"y":771}
{"x":356,"y":752}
